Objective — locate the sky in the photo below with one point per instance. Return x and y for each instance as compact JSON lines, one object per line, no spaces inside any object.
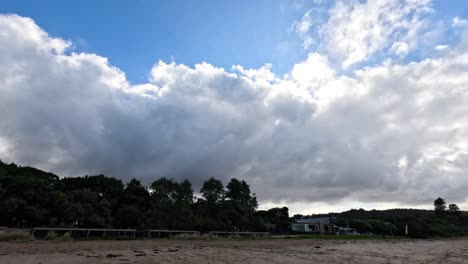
{"x":319,"y":105}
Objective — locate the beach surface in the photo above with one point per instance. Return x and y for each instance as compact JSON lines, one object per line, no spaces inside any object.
{"x":236,"y":251}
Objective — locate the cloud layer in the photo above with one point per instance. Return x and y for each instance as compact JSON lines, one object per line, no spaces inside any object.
{"x":391,"y":132}
{"x":355,"y":31}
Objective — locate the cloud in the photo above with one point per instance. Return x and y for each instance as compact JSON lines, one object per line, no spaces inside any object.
{"x":314,"y":71}
{"x":352,"y":32}
{"x":395,"y":133}
{"x":400,"y":49}
{"x":441,"y":47}
{"x":302,"y":26}
{"x":459,"y":22}
{"x":308,"y":41}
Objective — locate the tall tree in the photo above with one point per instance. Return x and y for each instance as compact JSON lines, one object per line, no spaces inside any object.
{"x":134,"y":203}
{"x":213,"y":190}
{"x":239,"y":191}
{"x":440,"y":206}
{"x":172,"y":203}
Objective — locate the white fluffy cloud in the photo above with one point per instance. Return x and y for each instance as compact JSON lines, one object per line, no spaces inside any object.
{"x":354,"y":31}
{"x":393,"y":133}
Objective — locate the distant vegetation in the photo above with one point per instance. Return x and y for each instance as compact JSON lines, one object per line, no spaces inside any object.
{"x":33,"y":198}
{"x":440,"y":222}
{"x":14,"y":236}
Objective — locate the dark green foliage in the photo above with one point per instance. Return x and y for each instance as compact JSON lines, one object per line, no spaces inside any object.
{"x":440,"y":207}
{"x":454,"y":210}
{"x":377,"y":227}
{"x":231,"y":210}
{"x":361,"y":226}
{"x":213,"y":190}
{"x":26,"y":194}
{"x":382,"y":228}
{"x":279,"y":217}
{"x":86,"y":209}
{"x":419,"y":223}
{"x":172,"y":204}
{"x":239,"y":192}
{"x":32,"y":198}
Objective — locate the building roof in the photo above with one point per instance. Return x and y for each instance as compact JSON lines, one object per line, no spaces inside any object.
{"x":322,"y":220}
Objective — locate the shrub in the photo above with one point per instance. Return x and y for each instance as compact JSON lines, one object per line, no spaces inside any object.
{"x":186,"y":236}
{"x":66,"y":237}
{"x":14,"y":236}
{"x":51,"y":235}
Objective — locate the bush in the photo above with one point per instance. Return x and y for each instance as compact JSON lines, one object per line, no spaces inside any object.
{"x":66,"y":237}
{"x":51,"y":235}
{"x":187,"y":236}
{"x":15,"y":236}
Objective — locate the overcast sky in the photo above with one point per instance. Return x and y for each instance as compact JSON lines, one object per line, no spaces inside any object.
{"x":339,"y":104}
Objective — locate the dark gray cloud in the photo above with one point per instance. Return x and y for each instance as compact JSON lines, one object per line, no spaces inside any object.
{"x":390,"y":133}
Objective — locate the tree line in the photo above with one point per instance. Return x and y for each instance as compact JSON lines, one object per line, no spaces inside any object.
{"x":32,"y":198}
{"x":440,"y":222}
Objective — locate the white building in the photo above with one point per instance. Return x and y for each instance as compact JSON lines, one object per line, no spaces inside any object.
{"x":314,"y":225}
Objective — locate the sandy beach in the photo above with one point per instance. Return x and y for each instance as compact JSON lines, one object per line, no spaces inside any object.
{"x":237,"y":251}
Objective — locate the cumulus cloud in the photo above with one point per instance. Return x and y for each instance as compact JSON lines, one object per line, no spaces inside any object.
{"x":392,"y":132}
{"x":353,"y":31}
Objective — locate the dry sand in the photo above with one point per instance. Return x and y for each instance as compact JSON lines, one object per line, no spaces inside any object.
{"x":237,"y":251}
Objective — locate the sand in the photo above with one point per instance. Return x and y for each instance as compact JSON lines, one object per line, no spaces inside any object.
{"x":237,"y":251}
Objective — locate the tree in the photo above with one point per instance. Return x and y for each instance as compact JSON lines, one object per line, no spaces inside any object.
{"x":239,"y":191}
{"x":361,"y":226}
{"x":453,"y":209}
{"x":30,"y":197}
{"x":107,"y":188}
{"x":172,"y":202}
{"x":129,"y":216}
{"x":86,"y":209}
{"x":382,"y":228}
{"x":136,"y":200}
{"x":26,"y":193}
{"x":165,"y":191}
{"x":418,"y":228}
{"x":297,"y":216}
{"x":185,"y":194}
{"x":440,"y":206}
{"x":212,"y":190}
{"x":279,"y":217}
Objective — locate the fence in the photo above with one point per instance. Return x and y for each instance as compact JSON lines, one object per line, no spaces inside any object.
{"x":41,"y":232}
{"x":240,"y":234}
{"x":109,"y":233}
